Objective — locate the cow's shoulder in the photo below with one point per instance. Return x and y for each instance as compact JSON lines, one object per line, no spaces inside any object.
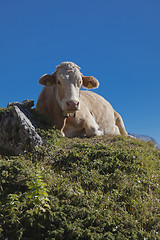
{"x":92,"y":97}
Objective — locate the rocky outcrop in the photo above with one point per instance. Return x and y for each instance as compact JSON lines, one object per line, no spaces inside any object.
{"x":17,"y":128}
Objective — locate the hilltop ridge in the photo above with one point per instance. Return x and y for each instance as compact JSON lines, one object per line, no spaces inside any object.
{"x":82,"y":188}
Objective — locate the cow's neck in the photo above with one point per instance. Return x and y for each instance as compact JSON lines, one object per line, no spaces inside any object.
{"x":60,"y":117}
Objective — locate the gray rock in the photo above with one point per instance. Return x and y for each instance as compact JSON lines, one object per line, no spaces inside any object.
{"x":18,"y":130}
{"x":25,"y":104}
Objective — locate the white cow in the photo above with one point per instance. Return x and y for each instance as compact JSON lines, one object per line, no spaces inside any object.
{"x":73,"y":111}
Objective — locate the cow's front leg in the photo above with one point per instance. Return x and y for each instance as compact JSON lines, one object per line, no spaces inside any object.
{"x":91,"y":127}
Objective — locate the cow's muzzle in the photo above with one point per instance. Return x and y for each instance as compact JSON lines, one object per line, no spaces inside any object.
{"x":72,"y":106}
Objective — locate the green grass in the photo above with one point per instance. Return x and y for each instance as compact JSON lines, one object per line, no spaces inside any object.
{"x":91,"y":188}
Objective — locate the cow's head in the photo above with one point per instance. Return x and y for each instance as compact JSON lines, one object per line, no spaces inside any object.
{"x":68,"y":81}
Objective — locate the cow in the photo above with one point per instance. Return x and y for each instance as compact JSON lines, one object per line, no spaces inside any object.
{"x":76,"y":112}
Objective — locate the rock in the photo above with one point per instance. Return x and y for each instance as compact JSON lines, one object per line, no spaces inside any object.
{"x":17,"y":129}
{"x":26,"y":104}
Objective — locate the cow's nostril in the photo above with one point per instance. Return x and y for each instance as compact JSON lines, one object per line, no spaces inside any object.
{"x":71,"y":103}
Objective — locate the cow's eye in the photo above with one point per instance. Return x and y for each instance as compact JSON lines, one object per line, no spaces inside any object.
{"x":59,"y":83}
{"x":80,"y":83}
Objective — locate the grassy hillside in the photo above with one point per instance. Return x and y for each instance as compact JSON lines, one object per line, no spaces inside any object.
{"x":92,"y":188}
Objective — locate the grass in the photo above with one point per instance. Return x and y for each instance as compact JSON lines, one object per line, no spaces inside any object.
{"x":91,"y":188}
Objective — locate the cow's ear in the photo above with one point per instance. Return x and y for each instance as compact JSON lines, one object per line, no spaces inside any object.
{"x":90,"y":82}
{"x":48,"y":80}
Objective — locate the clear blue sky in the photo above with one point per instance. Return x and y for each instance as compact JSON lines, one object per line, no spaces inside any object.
{"x":116,"y":41}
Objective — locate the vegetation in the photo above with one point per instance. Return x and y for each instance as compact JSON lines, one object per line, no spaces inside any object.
{"x":92,"y":188}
